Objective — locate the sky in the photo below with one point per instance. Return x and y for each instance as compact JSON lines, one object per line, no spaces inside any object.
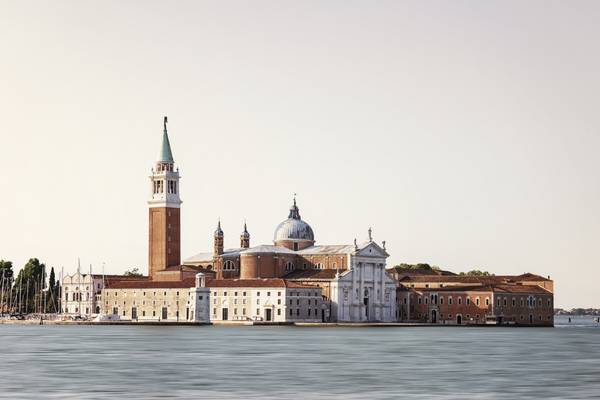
{"x":465,"y":133}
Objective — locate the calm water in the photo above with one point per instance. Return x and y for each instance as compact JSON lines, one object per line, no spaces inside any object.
{"x":137,"y":362}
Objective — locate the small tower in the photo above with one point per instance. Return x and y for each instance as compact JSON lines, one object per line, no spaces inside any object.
{"x":218,"y":240}
{"x":245,"y":238}
{"x":164,"y":211}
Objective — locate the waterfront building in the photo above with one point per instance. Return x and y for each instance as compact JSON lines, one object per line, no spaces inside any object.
{"x":489,"y":304}
{"x":151,"y":300}
{"x":269,"y":300}
{"x":525,"y":299}
{"x":81,"y":293}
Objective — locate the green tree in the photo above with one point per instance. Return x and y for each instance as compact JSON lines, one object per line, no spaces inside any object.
{"x":6,"y":278}
{"x":28,"y":286}
{"x":52,"y":293}
{"x":133,"y":272}
{"x":476,"y":272}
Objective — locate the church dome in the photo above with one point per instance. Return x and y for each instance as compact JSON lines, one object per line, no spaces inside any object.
{"x":293,"y":228}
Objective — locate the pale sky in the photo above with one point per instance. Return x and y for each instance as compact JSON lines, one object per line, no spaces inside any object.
{"x":466,"y":133}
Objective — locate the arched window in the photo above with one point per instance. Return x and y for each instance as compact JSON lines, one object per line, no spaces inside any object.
{"x":289,"y":266}
{"x":229,"y":265}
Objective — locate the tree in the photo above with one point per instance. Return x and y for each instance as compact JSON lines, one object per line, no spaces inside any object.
{"x":476,"y":272}
{"x":28,"y":286}
{"x":52,"y":293}
{"x":133,"y":272}
{"x":6,"y":278}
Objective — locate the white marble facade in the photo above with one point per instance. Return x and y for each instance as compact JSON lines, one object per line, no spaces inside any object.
{"x":364,"y":292}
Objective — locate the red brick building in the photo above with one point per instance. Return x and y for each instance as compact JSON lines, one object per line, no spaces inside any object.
{"x":515,"y":300}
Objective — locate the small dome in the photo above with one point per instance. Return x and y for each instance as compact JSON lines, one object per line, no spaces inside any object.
{"x":293,"y":228}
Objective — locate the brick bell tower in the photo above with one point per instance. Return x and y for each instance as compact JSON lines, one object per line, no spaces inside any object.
{"x":164,"y":211}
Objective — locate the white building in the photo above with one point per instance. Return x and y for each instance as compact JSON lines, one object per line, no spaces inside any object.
{"x":81,"y":294}
{"x":165,"y":301}
{"x":364,"y":292}
{"x":269,"y":300}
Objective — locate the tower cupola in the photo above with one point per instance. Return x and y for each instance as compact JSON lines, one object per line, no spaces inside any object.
{"x":245,"y":238}
{"x":218,"y":240}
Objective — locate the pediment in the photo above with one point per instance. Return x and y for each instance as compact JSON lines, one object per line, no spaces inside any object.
{"x":372,"y":249}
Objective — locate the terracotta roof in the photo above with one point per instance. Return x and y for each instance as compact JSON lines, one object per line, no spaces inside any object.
{"x":490,"y":288}
{"x":493,"y":279}
{"x":148,"y":284}
{"x":195,"y":268}
{"x":421,"y":271}
{"x":275,"y":282}
{"x":521,"y":289}
{"x":316,"y":274}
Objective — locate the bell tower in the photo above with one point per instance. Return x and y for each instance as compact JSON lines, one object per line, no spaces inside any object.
{"x":164,"y":211}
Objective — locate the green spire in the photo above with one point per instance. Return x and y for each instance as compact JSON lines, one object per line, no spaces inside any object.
{"x":165,"y":150}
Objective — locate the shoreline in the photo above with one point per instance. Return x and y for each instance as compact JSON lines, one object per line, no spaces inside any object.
{"x":273,"y":324}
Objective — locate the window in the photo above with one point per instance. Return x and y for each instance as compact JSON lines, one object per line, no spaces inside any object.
{"x":289,"y":266}
{"x":290,"y":311}
{"x":477,"y":301}
{"x":279,"y":311}
{"x":297,"y":311}
{"x":309,"y":311}
{"x":258,"y":293}
{"x":243,"y":311}
{"x":278,"y":301}
{"x":244,"y":294}
{"x":441,"y":300}
{"x":235,"y":294}
{"x":459,"y":301}
{"x":257,"y":301}
{"x":487,"y":301}
{"x":295,"y":246}
{"x":426,"y":300}
{"x":304,"y":266}
{"x":224,"y":293}
{"x":514,"y":302}
{"x":319,"y":266}
{"x":449,"y":300}
{"x":214,"y":311}
{"x":298,"y":302}
{"x":419,"y":300}
{"x":278,"y":293}
{"x":268,"y":294}
{"x":229,"y":265}
{"x":504,"y":302}
{"x":468,"y":301}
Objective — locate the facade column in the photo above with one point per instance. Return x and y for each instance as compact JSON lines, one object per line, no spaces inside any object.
{"x":361,"y":294}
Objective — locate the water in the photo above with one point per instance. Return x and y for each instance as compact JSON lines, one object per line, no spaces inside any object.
{"x":146,"y":362}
